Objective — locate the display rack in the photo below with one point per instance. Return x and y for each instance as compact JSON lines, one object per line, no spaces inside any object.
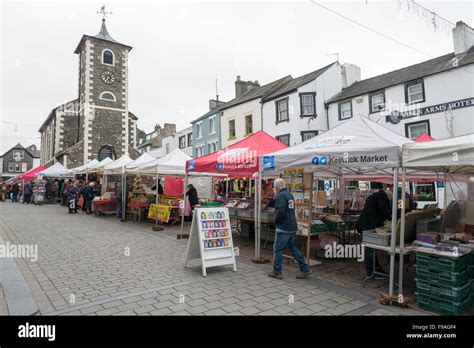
{"x":210,"y":238}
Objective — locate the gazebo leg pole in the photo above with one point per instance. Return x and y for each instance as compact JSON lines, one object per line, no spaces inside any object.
{"x":185,"y":185}
{"x":394,"y":231}
{"x":402,"y":234}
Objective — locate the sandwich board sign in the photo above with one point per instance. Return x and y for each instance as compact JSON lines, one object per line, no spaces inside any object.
{"x":210,"y":238}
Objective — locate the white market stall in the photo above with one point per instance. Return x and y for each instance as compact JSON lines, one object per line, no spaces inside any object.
{"x":57,"y":170}
{"x":83,"y":169}
{"x":356,"y":148}
{"x":118,"y":167}
{"x":454,"y":159}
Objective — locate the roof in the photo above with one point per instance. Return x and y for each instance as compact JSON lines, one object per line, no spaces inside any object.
{"x":132,"y":115}
{"x":32,"y":153}
{"x":207,"y":114}
{"x":102,"y":35}
{"x":259,"y":92}
{"x":412,"y":72}
{"x":294,"y":84}
{"x":52,"y":113}
{"x":145,"y":143}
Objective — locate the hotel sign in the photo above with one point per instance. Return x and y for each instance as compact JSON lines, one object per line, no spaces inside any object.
{"x":396,"y":116}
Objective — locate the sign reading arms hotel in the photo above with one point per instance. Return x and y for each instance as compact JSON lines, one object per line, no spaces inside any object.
{"x":397,"y":116}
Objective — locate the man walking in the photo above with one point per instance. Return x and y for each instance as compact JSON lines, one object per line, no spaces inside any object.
{"x":286,"y":227}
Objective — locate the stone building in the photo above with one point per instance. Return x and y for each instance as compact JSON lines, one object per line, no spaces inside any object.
{"x":98,"y":123}
{"x":154,"y":140}
{"x":18,"y":160}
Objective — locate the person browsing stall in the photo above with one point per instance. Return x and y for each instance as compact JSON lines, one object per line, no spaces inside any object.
{"x":286,"y":227}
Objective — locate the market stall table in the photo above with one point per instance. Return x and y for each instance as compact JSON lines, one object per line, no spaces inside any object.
{"x":100,"y":207}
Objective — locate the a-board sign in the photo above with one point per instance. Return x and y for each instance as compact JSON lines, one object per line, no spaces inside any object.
{"x":210,"y":238}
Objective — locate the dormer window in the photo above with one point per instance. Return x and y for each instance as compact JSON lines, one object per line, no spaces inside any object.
{"x":108,"y":96}
{"x":108,"y":57}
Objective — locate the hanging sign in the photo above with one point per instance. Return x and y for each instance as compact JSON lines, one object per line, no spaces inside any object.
{"x":210,"y":239}
{"x":160,"y":212}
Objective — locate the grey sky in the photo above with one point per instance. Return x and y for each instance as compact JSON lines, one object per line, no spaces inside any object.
{"x":179,"y":48}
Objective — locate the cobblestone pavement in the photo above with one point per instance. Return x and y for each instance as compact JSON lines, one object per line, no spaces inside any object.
{"x":90,"y":265}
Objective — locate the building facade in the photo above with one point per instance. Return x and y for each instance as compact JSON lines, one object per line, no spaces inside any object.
{"x":154,"y":140}
{"x":18,"y":160}
{"x":206,"y":131}
{"x":179,"y":140}
{"x":98,"y":123}
{"x":435,"y":97}
{"x":242,"y":116}
{"x":296,"y":111}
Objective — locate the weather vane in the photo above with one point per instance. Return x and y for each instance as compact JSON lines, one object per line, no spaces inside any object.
{"x":103,"y":12}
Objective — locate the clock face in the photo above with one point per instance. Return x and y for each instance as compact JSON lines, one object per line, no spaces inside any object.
{"x":108,"y":77}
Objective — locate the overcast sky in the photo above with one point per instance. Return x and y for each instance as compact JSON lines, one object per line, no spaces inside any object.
{"x":180,"y":48}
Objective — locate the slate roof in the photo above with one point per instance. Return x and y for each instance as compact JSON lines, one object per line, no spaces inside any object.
{"x":209,"y":113}
{"x":412,"y":72}
{"x":255,"y":93}
{"x":102,"y":35}
{"x":32,"y":153}
{"x":295,"y":83}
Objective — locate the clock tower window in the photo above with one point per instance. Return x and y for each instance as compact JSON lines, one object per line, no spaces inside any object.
{"x":109,"y":96}
{"x":108,"y":57}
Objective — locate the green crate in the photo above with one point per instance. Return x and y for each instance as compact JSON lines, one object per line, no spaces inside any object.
{"x":443,"y":292}
{"x":443,"y":263}
{"x":455,"y":279}
{"x":443,"y":306}
{"x":319,"y":228}
{"x":335,"y":226}
{"x":211,"y":204}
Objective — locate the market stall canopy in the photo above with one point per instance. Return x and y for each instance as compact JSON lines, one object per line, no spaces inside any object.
{"x":239,"y":159}
{"x":144,"y":158}
{"x":423,"y":137}
{"x":357,"y":146}
{"x":30,"y":175}
{"x":453,"y":155}
{"x":83,"y":169}
{"x":99,"y":166}
{"x":57,"y":170}
{"x":173,"y":163}
{"x":117,"y":166}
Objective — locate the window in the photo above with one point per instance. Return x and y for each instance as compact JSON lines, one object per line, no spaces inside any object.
{"x":17,"y":167}
{"x":308,"y":104}
{"x":168,"y":148}
{"x":199,"y":150}
{"x":377,"y":101}
{"x":305,"y":135}
{"x":109,"y":96}
{"x":212,"y":125}
{"x":282,"y":110}
{"x":231,"y":129}
{"x":414,"y":91}
{"x":24,"y":167}
{"x":424,"y":191}
{"x":285,"y":139}
{"x":345,"y":110}
{"x":182,"y":142}
{"x":198,"y":130}
{"x":212,"y":147}
{"x":190,"y":139}
{"x":108,"y":57}
{"x":415,"y":129}
{"x":11,"y":167}
{"x":248,"y":125}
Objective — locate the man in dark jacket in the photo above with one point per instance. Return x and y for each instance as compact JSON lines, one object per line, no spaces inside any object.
{"x":89,"y":195}
{"x":72,"y":197}
{"x":286,"y":227}
{"x":376,"y":211}
{"x":15,"y":191}
{"x":27,"y":192}
{"x":192,"y":196}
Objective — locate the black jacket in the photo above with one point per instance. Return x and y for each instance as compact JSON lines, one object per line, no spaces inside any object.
{"x":192,"y":197}
{"x":285,"y":217}
{"x":376,"y":211}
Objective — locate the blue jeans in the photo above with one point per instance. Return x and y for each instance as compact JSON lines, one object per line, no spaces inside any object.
{"x":285,"y":239}
{"x":14,"y":197}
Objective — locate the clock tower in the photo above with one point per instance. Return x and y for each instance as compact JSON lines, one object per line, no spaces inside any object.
{"x":103,"y":94}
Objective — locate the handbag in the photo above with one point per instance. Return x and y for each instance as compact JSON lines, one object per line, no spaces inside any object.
{"x":80,"y":201}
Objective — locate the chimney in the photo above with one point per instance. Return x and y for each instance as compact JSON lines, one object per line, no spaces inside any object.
{"x":170,"y":128}
{"x":463,"y":37}
{"x":214,"y":103}
{"x":157,"y":127}
{"x":350,"y":74}
{"x":242,"y":87}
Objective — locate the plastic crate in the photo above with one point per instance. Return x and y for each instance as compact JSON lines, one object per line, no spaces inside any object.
{"x":374,"y":238}
{"x":443,"y":292}
{"x":455,"y":279}
{"x":315,"y":228}
{"x":443,"y":306}
{"x":443,"y":263}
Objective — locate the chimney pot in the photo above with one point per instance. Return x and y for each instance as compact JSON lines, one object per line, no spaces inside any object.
{"x":463,"y":37}
{"x":238,"y":77}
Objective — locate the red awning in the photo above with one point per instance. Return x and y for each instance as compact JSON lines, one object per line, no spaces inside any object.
{"x":424,"y":137}
{"x":239,"y":159}
{"x":30,"y":175}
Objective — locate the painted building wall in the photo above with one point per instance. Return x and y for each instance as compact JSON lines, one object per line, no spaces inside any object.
{"x":325,"y":86}
{"x":238,"y":113}
{"x":207,"y":138}
{"x":448,"y":86}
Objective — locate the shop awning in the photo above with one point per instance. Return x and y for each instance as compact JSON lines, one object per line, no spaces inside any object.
{"x":30,"y":175}
{"x":239,"y":159}
{"x":357,"y":146}
{"x":453,"y":155}
{"x":57,"y":170}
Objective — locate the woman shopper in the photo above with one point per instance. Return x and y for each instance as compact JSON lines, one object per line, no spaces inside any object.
{"x":72,"y":197}
{"x":89,"y":195}
{"x":15,"y":191}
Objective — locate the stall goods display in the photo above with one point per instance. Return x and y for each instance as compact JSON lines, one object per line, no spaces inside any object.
{"x":231,"y":203}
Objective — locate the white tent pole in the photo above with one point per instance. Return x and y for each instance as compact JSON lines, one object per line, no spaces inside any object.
{"x":157,"y":192}
{"x":124,"y":193}
{"x":445,"y":190}
{"x":402,"y":233}
{"x":342,"y":194}
{"x":394,"y":230}
{"x":185,"y":185}
{"x":258,"y":192}
{"x":255,"y":209}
